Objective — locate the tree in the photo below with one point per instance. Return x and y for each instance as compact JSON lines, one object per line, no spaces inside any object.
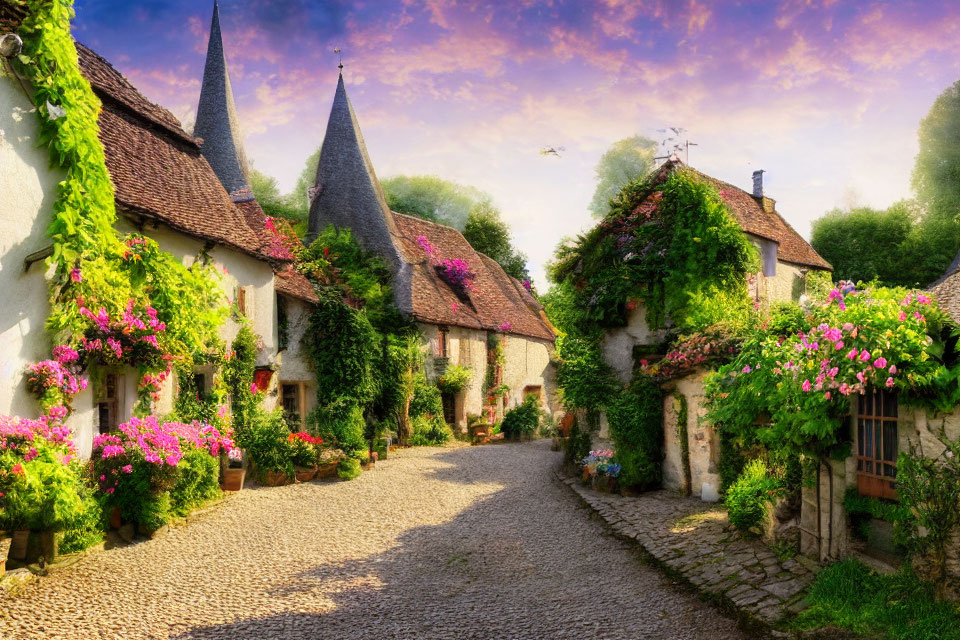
{"x":863,"y":243}
{"x":462,"y":207}
{"x":624,"y":161}
{"x":273,"y":203}
{"x":488,"y":234}
{"x":298,"y":198}
{"x":433,"y":198}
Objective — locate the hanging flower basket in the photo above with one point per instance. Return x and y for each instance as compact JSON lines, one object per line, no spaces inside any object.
{"x":262,"y":378}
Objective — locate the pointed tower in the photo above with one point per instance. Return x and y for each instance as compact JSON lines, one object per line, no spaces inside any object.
{"x":217,"y":121}
{"x":347,"y":192}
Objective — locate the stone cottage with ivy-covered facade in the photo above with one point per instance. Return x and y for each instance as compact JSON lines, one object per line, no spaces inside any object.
{"x":788,"y":264}
{"x":493,"y":325}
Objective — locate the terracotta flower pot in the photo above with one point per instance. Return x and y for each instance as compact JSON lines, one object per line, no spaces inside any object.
{"x":116,"y":518}
{"x":305,"y":474}
{"x":18,"y":545}
{"x":233,"y":479}
{"x":276,"y":478}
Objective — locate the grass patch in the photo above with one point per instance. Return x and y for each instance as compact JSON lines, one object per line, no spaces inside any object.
{"x":851,"y":596}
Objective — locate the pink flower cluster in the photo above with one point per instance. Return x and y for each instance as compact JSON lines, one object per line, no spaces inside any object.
{"x":54,"y":374}
{"x":456,"y":272}
{"x":160,"y":444}
{"x":27,"y":436}
{"x":279,"y":243}
{"x":113,"y":340}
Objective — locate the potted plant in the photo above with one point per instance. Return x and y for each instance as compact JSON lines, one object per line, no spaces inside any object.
{"x":234,"y":472}
{"x":327,"y":461}
{"x":303,"y":452}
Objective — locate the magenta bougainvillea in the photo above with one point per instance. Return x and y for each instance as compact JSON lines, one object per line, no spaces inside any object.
{"x":455,"y":272}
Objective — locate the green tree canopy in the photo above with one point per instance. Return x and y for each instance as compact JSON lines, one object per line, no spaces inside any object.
{"x":489,"y":234}
{"x":936,"y":171}
{"x":625,"y":160}
{"x":433,"y":198}
{"x":273,"y":203}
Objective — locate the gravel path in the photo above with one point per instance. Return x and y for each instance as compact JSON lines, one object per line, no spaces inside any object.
{"x":469,"y":542}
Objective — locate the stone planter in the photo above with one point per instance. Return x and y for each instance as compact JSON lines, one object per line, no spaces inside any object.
{"x":327,"y":470}
{"x":305,"y":474}
{"x":276,"y":478}
{"x":48,"y":545}
{"x":233,"y":479}
{"x":18,"y":544}
{"x":4,"y":550}
{"x":603,"y":483}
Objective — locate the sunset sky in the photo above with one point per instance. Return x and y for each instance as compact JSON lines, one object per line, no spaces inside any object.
{"x":824,"y":95}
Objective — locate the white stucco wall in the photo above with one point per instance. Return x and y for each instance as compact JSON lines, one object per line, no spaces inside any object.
{"x":293,"y":363}
{"x":702,"y":440}
{"x":28,"y":188}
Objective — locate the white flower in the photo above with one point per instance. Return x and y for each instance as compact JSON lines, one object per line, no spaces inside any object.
{"x":55,"y":112}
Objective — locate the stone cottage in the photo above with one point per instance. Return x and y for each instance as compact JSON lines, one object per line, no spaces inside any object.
{"x":787,"y":262}
{"x":164,"y":188}
{"x":459,"y":325}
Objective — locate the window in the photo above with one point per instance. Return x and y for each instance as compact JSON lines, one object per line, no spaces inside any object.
{"x":290,"y":401}
{"x":877,"y":445}
{"x":242,"y":300}
{"x":443,"y":343}
{"x":109,"y":401}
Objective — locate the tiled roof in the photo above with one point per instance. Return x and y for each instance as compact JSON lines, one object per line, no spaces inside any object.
{"x":495,"y":299}
{"x":11,"y":15}
{"x":947,"y":290}
{"x":156,"y":167}
{"x":753,"y":219}
{"x":293,"y":283}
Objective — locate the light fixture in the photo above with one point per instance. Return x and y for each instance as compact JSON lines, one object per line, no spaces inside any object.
{"x":10,"y":45}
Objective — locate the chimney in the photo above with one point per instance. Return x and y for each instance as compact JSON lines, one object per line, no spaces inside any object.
{"x":758,"y":183}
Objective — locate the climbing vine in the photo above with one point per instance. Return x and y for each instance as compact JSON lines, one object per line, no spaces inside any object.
{"x":114,"y":300}
{"x":683,"y":437}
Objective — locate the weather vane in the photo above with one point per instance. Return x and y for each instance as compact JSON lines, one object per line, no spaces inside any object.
{"x":336,"y":50}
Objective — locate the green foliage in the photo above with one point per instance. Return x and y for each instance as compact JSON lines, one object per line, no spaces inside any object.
{"x":851,"y":596}
{"x":198,"y":481}
{"x":626,"y":160}
{"x":679,"y":249}
{"x":264,"y":439}
{"x":578,"y":444}
{"x":306,"y":179}
{"x":88,"y":529}
{"x":489,"y":234}
{"x":523,"y":419}
{"x":238,"y":372}
{"x":683,"y":437}
{"x":426,"y":400}
{"x":586,"y":380}
{"x":455,"y":379}
{"x":349,"y":468}
{"x":889,"y":246}
{"x":748,"y":498}
{"x":789,"y":392}
{"x":342,"y":424}
{"x":636,"y":428}
{"x":936,"y":176}
{"x":862,"y":508}
{"x":430,"y":431}
{"x":930,"y":490}
{"x":464,"y":208}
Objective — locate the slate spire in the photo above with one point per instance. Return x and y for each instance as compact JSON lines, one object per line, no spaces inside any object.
{"x":347,"y":193}
{"x":217,"y":121}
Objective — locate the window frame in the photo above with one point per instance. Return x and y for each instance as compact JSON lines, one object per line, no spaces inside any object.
{"x":877,"y":424}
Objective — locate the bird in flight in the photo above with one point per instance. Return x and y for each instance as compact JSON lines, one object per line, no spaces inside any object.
{"x":552,"y":151}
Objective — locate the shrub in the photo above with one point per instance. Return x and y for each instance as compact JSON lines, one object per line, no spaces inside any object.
{"x":455,"y":379}
{"x":265,"y":441}
{"x":523,"y":419}
{"x":349,"y":468}
{"x":578,"y":444}
{"x":197,"y":482}
{"x":89,"y":529}
{"x":305,"y":448}
{"x":426,"y":400}
{"x":636,"y":427}
{"x":748,"y":497}
{"x":430,"y":431}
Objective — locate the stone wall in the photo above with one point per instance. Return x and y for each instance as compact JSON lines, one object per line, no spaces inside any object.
{"x":702,"y":440}
{"x":618,"y":344}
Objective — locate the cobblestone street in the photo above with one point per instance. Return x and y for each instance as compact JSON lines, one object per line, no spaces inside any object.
{"x":478,"y":542}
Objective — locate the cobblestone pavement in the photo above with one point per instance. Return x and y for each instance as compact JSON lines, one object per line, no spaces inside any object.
{"x":694,"y":539}
{"x":468,"y":542}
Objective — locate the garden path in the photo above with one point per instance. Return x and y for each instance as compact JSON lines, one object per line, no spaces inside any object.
{"x":459,"y":542}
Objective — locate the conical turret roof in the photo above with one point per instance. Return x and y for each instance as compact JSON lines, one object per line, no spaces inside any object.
{"x":347,"y":193}
{"x":217,"y":121}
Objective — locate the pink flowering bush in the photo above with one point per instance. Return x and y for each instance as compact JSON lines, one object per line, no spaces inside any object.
{"x":151,"y":471}
{"x":791,"y":387}
{"x":455,"y":272}
{"x":56,"y":382}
